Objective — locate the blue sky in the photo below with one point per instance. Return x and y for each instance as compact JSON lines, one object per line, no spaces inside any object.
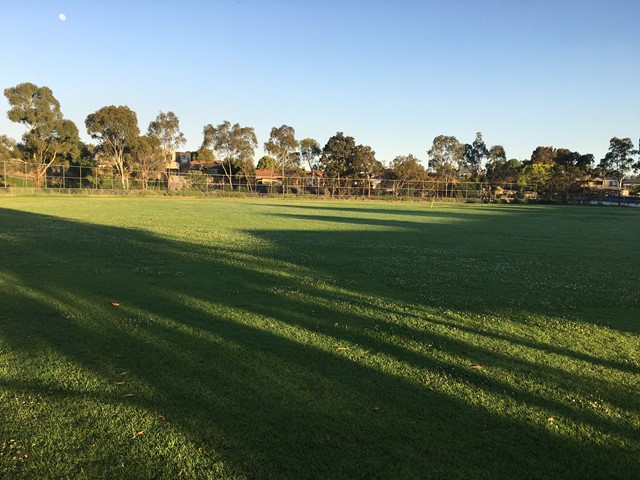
{"x":393,"y":74}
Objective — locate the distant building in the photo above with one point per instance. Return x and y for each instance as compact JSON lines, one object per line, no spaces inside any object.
{"x":608,"y":185}
{"x":268,"y":177}
{"x":183,"y":159}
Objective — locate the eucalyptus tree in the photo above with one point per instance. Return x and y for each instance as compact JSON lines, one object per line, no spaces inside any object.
{"x":337,"y":154}
{"x":497,"y":152}
{"x":474,"y":154}
{"x":49,"y":136}
{"x":568,"y":172}
{"x":342,"y":159}
{"x":618,"y":161}
{"x":365,"y":166}
{"x":445,"y":155}
{"x":498,"y":169}
{"x":233,"y":146}
{"x":166,"y":127}
{"x":404,"y":170}
{"x":501,"y":170}
{"x":544,"y":156}
{"x":282,"y":145}
{"x":116,"y":130}
{"x":147,"y":158}
{"x":310,"y":152}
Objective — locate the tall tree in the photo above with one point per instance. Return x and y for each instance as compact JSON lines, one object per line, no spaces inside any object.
{"x":567,"y":158}
{"x":496,"y":152}
{"x":246,"y":169}
{"x":233,"y":145}
{"x":544,"y":156}
{"x":501,"y":170}
{"x":116,"y":129}
{"x":49,"y":136}
{"x":618,"y":161}
{"x":474,"y":154}
{"x":365,"y":166}
{"x":282,"y":145}
{"x":166,"y":127}
{"x":445,"y":155}
{"x":364,"y":162}
{"x":310,"y":152}
{"x":405,"y":169}
{"x":148,"y":158}
{"x":342,"y":159}
{"x":337,"y":154}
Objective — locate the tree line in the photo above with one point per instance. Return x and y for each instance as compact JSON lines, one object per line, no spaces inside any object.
{"x":51,"y":139}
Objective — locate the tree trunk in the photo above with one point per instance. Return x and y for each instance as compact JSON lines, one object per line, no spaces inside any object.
{"x":37,"y":179}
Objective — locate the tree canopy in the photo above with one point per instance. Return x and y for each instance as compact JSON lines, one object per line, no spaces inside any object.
{"x":166,"y":127}
{"x":310,"y":152}
{"x":336,"y":159}
{"x":8,"y":148}
{"x":619,"y":159}
{"x":405,"y":169}
{"x":267,"y":162}
{"x":282,"y":145}
{"x":147,"y":157}
{"x":49,"y":136}
{"x":234,"y":146}
{"x":445,"y":155}
{"x":474,"y":155}
{"x":116,"y":129}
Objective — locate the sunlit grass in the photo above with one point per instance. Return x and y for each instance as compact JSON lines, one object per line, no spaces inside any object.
{"x":182,"y":338}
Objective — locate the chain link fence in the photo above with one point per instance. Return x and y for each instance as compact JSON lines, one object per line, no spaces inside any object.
{"x":17,"y":177}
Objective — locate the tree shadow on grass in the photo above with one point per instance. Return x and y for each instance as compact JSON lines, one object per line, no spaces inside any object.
{"x":258,"y":362}
{"x":563,"y":261}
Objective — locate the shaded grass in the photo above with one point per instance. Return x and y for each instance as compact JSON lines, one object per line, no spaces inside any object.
{"x":309,"y":340}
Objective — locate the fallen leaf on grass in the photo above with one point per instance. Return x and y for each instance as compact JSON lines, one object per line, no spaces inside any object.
{"x":477,"y":367}
{"x":139,"y":433}
{"x":181,"y":472}
{"x":119,"y":383}
{"x":123,"y":373}
{"x":376,"y":409}
{"x":115,"y":304}
{"x":342,"y":348}
{"x":127,"y":395}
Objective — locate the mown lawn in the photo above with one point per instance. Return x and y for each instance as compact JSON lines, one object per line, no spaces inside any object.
{"x":219,"y":338}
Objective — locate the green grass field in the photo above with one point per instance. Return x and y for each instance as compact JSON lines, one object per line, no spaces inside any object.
{"x":218,"y":338}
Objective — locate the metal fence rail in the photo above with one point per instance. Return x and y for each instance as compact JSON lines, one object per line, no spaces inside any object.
{"x":18,"y":178}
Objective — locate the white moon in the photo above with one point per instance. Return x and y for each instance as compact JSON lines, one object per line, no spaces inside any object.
{"x":62,"y":17}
